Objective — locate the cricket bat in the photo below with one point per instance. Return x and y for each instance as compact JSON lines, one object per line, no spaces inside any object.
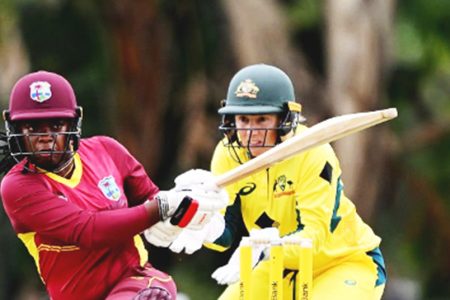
{"x":324,"y":132}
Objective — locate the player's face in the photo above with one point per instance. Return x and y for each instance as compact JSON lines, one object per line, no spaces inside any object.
{"x":44,"y":140}
{"x":257,"y":132}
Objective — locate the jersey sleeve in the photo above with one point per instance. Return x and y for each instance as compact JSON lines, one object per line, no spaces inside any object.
{"x":31,"y":207}
{"x":318,"y":192}
{"x":137,"y":185}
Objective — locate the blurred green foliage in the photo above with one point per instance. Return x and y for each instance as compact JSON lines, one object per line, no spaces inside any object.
{"x":306,"y":24}
{"x":419,"y":86}
{"x":69,"y":37}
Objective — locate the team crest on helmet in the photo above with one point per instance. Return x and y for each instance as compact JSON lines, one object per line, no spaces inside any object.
{"x":40,"y":91}
{"x":109,"y":188}
{"x":247,"y":88}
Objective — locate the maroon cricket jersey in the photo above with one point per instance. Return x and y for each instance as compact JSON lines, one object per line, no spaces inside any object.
{"x":80,"y":231}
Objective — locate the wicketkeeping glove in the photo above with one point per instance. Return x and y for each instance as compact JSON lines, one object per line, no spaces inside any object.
{"x":229,"y":273}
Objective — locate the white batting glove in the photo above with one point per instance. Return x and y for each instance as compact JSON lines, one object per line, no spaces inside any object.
{"x":191,"y":240}
{"x":229,"y":273}
{"x":191,"y":204}
{"x":162,"y":234}
{"x":197,"y":179}
{"x":200,"y":185}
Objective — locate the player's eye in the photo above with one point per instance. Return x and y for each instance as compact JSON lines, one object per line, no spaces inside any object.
{"x":27,"y":127}
{"x":267,"y":120}
{"x":262,"y":119}
{"x":242,"y":119}
{"x":56,"y":127}
{"x":59,"y":125}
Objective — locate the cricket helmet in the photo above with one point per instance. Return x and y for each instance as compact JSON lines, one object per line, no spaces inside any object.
{"x":260,"y":89}
{"x":42,"y":95}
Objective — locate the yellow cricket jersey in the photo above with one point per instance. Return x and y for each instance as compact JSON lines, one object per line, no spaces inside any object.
{"x":302,"y":195}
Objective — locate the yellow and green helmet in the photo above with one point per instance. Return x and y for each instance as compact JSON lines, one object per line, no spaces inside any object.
{"x":258,"y":89}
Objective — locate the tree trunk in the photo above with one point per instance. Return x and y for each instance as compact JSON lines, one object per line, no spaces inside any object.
{"x":359,"y":45}
{"x":259,"y":34}
{"x":139,"y":40}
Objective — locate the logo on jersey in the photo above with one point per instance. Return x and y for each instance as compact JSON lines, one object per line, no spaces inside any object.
{"x":247,"y":88}
{"x":109,"y":188}
{"x":40,"y":91}
{"x":247,"y":189}
{"x":283,"y":186}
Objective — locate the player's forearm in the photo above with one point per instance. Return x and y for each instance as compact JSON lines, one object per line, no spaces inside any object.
{"x":113,"y":227}
{"x":223,"y":242}
{"x":152,"y":209}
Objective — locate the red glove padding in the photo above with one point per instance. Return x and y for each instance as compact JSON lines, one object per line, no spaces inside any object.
{"x":185,"y":212}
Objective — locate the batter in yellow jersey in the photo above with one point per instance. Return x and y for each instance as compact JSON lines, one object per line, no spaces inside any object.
{"x":303,"y":195}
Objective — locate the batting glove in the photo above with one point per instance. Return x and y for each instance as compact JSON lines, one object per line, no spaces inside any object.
{"x":162,"y":234}
{"x":191,"y":240}
{"x":199,"y":185}
{"x":197,"y":179}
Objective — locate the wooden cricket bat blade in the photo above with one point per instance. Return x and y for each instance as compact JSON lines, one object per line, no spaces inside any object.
{"x":324,"y":132}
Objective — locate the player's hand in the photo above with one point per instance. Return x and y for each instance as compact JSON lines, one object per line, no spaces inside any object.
{"x":197,"y":179}
{"x":191,"y":240}
{"x":193,"y":201}
{"x":229,"y":273}
{"x":202,"y":183}
{"x":162,"y":234}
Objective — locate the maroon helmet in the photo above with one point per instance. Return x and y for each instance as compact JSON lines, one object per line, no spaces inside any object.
{"x":42,"y":95}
